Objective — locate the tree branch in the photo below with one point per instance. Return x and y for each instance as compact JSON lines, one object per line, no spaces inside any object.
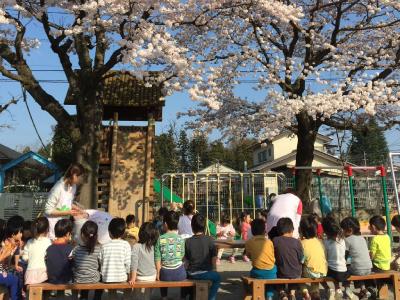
{"x":5,"y":106}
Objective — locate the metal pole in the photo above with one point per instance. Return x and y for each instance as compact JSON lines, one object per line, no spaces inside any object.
{"x":294,"y":178}
{"x":242,"y":192}
{"x":396,"y":192}
{"x":207,"y":229}
{"x":162,"y":190}
{"x":265,"y":192}
{"x":195,"y":190}
{"x":230,"y":197}
{"x":320,"y":190}
{"x":351,"y":188}
{"x":2,"y":180}
{"x":254,"y":198}
{"x":385,"y":199}
{"x":171,"y":187}
{"x":183,"y":187}
{"x":219,"y":198}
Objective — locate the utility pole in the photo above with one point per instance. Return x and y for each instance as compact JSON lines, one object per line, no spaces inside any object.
{"x":365,"y":159}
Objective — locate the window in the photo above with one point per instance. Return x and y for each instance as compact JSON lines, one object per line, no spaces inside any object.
{"x":262,"y":156}
{"x":269,"y":152}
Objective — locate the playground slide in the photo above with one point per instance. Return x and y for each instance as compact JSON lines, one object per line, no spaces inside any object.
{"x":175,"y":198}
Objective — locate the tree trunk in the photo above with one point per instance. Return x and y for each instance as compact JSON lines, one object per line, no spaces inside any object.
{"x":90,"y":113}
{"x":306,"y":135}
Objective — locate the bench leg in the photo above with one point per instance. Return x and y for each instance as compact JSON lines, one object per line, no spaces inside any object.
{"x":258,"y":290}
{"x":246,"y":291}
{"x":201,"y":290}
{"x":396,"y":286}
{"x":35,"y":293}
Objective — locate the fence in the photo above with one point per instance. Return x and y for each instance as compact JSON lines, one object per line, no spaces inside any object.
{"x":27,"y":205}
{"x":218,"y":194}
{"x":368,"y":194}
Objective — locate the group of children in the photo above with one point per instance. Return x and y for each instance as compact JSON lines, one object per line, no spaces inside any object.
{"x":132,"y":254}
{"x":175,"y":247}
{"x":344,"y":252}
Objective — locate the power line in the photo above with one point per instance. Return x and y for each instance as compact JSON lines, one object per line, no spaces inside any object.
{"x":33,"y":122}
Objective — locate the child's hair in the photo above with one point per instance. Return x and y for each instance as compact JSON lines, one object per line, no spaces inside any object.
{"x":198,"y":223}
{"x":378,"y":222}
{"x":148,"y":235}
{"x":89,"y":235}
{"x":74,"y":169}
{"x":130,"y":219}
{"x":162,"y":211}
{"x":117,"y":228}
{"x":285,"y":225}
{"x":63,"y":227}
{"x":351,"y":224}
{"x":308,"y":227}
{"x":171,"y":219}
{"x":225,"y":220}
{"x":240,"y":219}
{"x":13,"y":228}
{"x":16,"y":221}
{"x":258,"y":227}
{"x":273,"y":233}
{"x":2,"y":228}
{"x":264,"y":213}
{"x":332,"y":228}
{"x":27,"y":232}
{"x":243,"y":215}
{"x":396,"y":221}
{"x":188,"y":207}
{"x":40,"y":226}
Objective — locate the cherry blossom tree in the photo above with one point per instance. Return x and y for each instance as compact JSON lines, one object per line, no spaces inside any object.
{"x":98,"y":35}
{"x":325,"y":64}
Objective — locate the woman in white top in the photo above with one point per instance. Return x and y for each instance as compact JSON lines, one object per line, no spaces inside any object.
{"x":285,"y":206}
{"x":185,"y":221}
{"x":59,"y":203}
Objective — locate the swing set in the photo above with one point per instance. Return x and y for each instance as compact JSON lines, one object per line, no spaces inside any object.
{"x":351,"y":172}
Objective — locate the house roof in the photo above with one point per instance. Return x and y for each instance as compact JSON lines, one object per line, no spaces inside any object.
{"x":124,"y":93}
{"x":284,"y":160}
{"x":217,"y":168}
{"x":7,"y":153}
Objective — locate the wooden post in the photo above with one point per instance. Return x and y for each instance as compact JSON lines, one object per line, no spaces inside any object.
{"x":258,"y":290}
{"x":147,"y":167}
{"x":201,"y":290}
{"x":114,"y":148}
{"x":396,"y":286}
{"x":35,"y":293}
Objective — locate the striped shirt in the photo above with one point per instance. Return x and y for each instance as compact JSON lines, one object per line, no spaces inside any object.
{"x":86,"y":267}
{"x":115,"y":261}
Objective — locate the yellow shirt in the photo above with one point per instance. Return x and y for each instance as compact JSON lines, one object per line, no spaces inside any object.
{"x":133,"y":232}
{"x":261,"y":252}
{"x":314,"y":256}
{"x":381,"y":251}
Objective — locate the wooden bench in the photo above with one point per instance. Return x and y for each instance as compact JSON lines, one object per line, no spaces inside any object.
{"x":200,"y":287}
{"x":255,"y":288}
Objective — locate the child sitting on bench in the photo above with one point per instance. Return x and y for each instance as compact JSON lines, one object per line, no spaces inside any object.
{"x":260,"y":250}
